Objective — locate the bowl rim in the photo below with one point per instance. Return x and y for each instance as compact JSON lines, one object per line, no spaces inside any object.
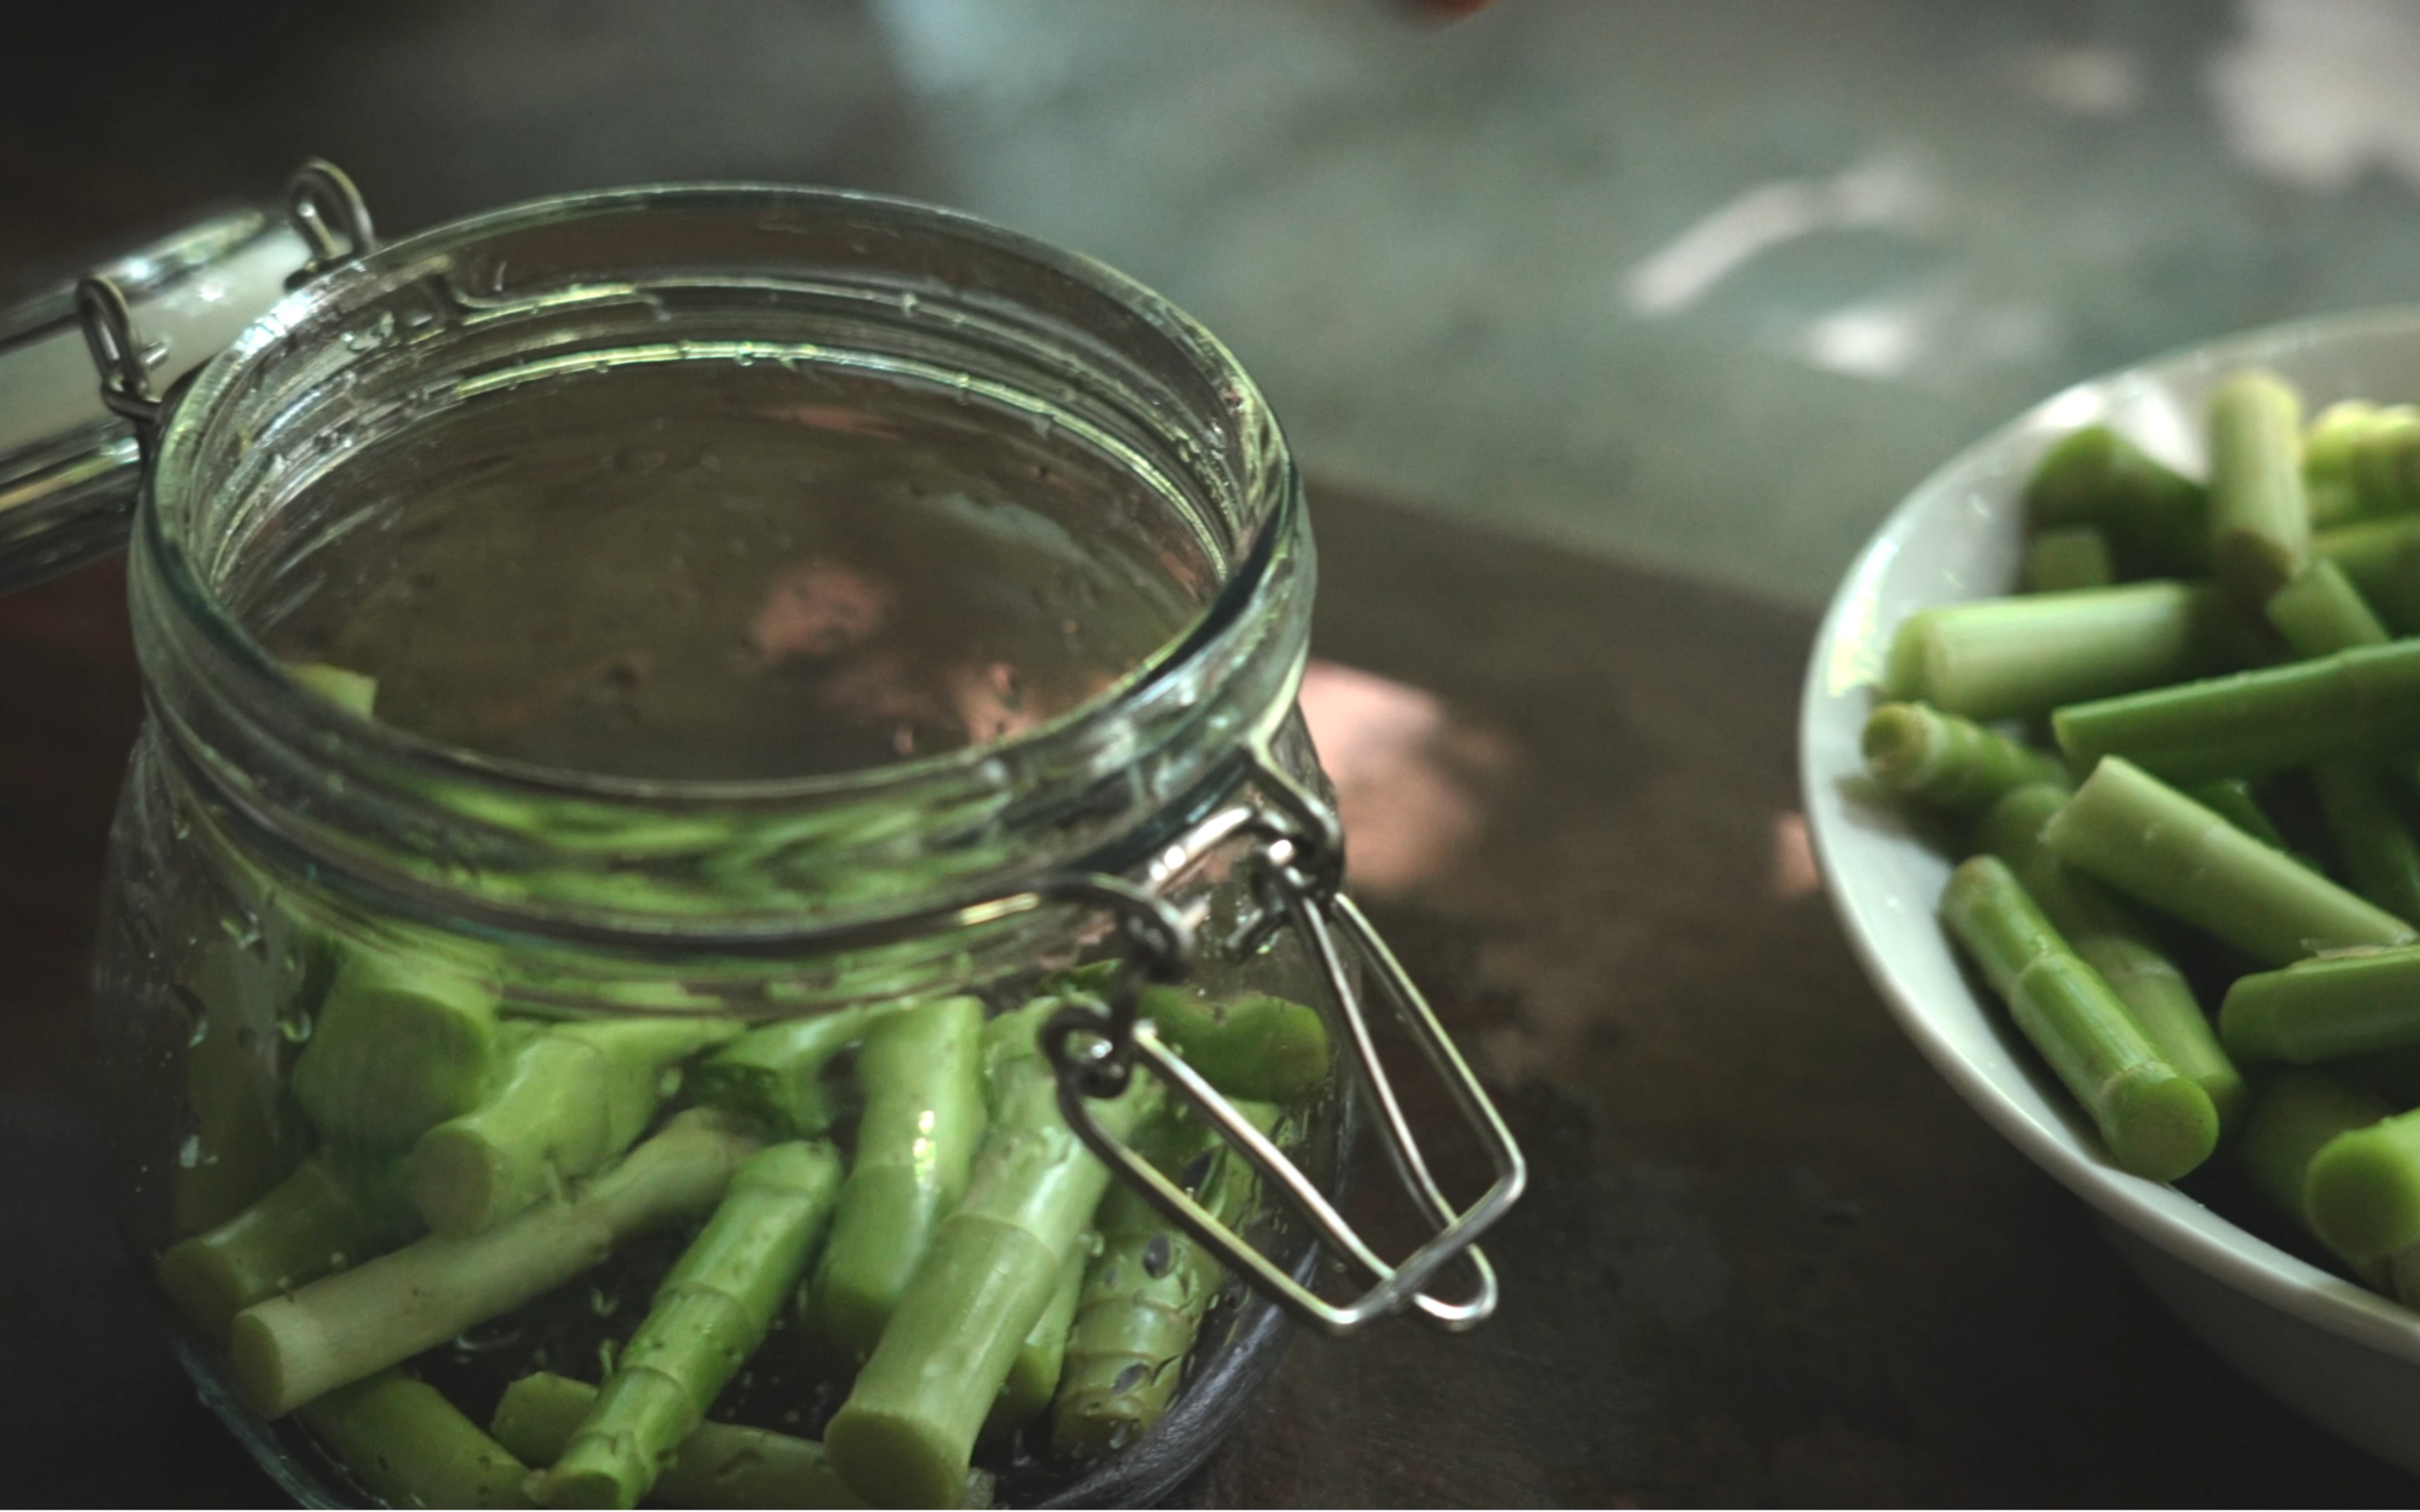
{"x":2158,"y":1212}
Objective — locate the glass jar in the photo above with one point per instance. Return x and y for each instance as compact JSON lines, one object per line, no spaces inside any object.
{"x":723,"y":815}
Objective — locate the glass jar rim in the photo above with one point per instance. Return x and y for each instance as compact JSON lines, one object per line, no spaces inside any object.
{"x":224,"y":376}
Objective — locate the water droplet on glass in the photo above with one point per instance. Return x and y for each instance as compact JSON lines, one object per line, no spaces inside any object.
{"x":243,"y":926}
{"x":371,"y":335}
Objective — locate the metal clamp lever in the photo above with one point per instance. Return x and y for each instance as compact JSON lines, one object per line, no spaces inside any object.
{"x":1095,"y":1047}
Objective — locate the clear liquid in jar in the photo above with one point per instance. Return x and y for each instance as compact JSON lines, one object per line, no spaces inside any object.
{"x":713,"y":571}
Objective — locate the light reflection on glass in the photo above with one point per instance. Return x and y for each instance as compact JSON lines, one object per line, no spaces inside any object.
{"x":1402,"y":765}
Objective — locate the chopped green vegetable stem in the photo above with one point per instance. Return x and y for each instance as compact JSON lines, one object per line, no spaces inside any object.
{"x":2260,"y":525}
{"x":2156,"y":1122}
{"x":1947,"y":761}
{"x":409,"y":1447}
{"x":2069,"y":557}
{"x":573,"y":1097}
{"x":904,"y":1435}
{"x":2018,"y":658}
{"x":922,"y":1070}
{"x":2106,"y":933}
{"x":2161,"y":848}
{"x":291,"y":1349}
{"x":2361,"y":703}
{"x":709,"y":1315}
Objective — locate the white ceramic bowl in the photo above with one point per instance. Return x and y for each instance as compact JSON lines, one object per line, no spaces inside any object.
{"x":2345,"y":1357}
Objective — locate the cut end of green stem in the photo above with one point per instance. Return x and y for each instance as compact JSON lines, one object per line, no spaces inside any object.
{"x":579,"y":1487}
{"x":1898,"y":745}
{"x":2363,"y":1193}
{"x":894,"y":1460}
{"x":2161,"y":1125}
{"x":457,"y":1181}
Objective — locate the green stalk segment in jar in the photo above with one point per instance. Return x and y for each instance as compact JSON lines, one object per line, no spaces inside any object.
{"x":328,"y":1215}
{"x":243,"y":1139}
{"x":2260,"y":524}
{"x":922,"y":1070}
{"x":904,"y":1435}
{"x":709,"y":1315}
{"x":2156,"y":1122}
{"x":573,"y":1097}
{"x":291,"y":1349}
{"x":409,"y":1447}
{"x":347,"y":689}
{"x":2161,"y":848}
{"x":2109,"y":936}
{"x":1146,"y":1294}
{"x":1947,"y":760}
{"x":2157,"y":521}
{"x":2361,"y":703}
{"x":1033,"y":1374}
{"x":719,"y":1465}
{"x":400,"y":1045}
{"x":775,"y":1074}
{"x":2018,"y":658}
{"x":1250,"y":1045}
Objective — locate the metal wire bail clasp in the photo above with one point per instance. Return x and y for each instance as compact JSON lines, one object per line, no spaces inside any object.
{"x":124,"y":361}
{"x":327,"y":210}
{"x":1297,"y":870}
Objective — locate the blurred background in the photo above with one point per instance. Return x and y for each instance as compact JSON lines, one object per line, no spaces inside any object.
{"x":1704,"y":283}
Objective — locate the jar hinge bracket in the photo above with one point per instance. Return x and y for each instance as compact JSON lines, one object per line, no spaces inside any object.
{"x":1297,"y":865}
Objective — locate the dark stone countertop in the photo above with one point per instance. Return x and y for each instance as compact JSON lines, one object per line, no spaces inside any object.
{"x":1767,"y":1255}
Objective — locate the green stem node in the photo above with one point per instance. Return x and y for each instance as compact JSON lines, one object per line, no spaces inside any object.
{"x":2108,"y":934}
{"x":709,"y":1315}
{"x":2157,"y":1124}
{"x":922,"y":1070}
{"x":1949,"y":761}
{"x":291,"y":1349}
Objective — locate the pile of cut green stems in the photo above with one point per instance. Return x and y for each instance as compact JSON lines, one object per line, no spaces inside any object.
{"x":885,"y":1198}
{"x":2183,"y":765}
